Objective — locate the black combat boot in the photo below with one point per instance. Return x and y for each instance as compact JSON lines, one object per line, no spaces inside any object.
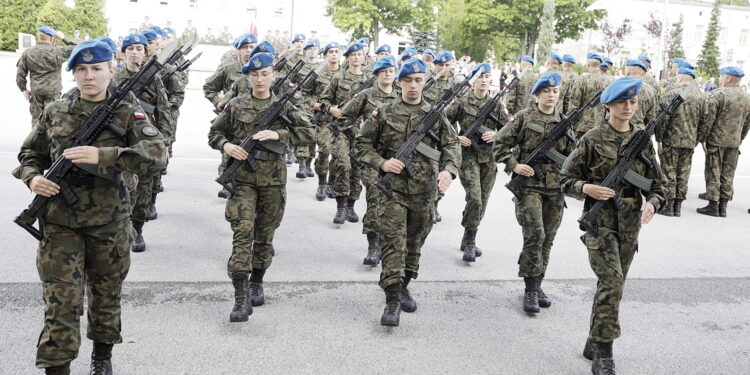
{"x":163,"y":172}
{"x":438,"y":218}
{"x":373,"y":250}
{"x":392,"y":311}
{"x":351,"y":216}
{"x":320,"y":194}
{"x":468,"y":241}
{"x":301,"y":171}
{"x":530,"y":297}
{"x":668,"y":209}
{"x":152,"y":214}
{"x":588,"y":350}
{"x":256,"y":287}
{"x":340,"y":217}
{"x":58,"y":370}
{"x":101,"y":359}
{"x":329,"y":189}
{"x":224,"y":193}
{"x":703,"y":196}
{"x":603,"y":363}
{"x":308,"y":169}
{"x":544,"y":301}
{"x":712,"y":209}
{"x":242,"y":309}
{"x":288,"y":159}
{"x":139,"y":245}
{"x":677,"y":207}
{"x":723,"y":208}
{"x":408,"y":304}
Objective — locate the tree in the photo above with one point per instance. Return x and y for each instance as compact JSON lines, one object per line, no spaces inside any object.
{"x":708,"y":61}
{"x":675,"y":40}
{"x":57,"y":16}
{"x":612,"y":38}
{"x":17,"y":16}
{"x":546,"y":30}
{"x":89,"y":17}
{"x":425,"y":39}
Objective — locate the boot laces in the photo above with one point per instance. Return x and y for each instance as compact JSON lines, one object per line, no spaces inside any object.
{"x":607,"y":366}
{"x":255,"y":289}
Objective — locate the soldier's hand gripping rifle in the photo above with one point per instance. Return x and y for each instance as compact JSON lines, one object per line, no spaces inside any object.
{"x":334,"y":125}
{"x":86,"y":134}
{"x":251,"y":145}
{"x":413,"y":145}
{"x":622,"y":174}
{"x":545,"y":151}
{"x":477,"y":128}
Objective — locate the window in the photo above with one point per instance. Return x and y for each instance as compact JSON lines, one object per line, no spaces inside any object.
{"x":699,"y":32}
{"x":743,"y":37}
{"x":163,"y":2}
{"x":193,"y":3}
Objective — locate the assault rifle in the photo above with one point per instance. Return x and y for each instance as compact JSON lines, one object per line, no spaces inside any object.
{"x":334,"y":125}
{"x":182,"y":51}
{"x":477,"y":128}
{"x":292,"y":72}
{"x":621,"y":173}
{"x":434,"y":77}
{"x":545,"y":151}
{"x":180,"y":68}
{"x":86,"y":134}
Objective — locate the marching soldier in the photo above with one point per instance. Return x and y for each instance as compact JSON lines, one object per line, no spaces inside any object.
{"x":89,"y":241}
{"x":648,"y":104}
{"x":569,"y":79}
{"x":41,"y":63}
{"x":519,"y":98}
{"x":648,"y":78}
{"x":306,"y":154}
{"x":406,"y":218}
{"x":611,"y":253}
{"x":584,"y":89}
{"x":382,"y":51}
{"x":231,"y":55}
{"x":408,"y":53}
{"x":478,"y":168}
{"x":256,"y":207}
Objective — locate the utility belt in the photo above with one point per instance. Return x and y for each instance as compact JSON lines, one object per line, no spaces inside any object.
{"x":265,"y":155}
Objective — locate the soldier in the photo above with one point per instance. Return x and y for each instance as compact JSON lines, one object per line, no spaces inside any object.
{"x":256,"y":207}
{"x":355,"y":111}
{"x":553,"y":64}
{"x":519,"y":98}
{"x":231,"y":55}
{"x":569,"y":79}
{"x":478,"y":169}
{"x":648,"y":78}
{"x":667,"y":82}
{"x":648,"y":105}
{"x":408,"y":53}
{"x":723,"y":127}
{"x":191,"y":33}
{"x":611,"y":253}
{"x":295,"y":53}
{"x":382,"y":51}
{"x":406,"y":217}
{"x":42,"y":64}
{"x":305,"y":154}
{"x":606,"y":67}
{"x":677,"y":136}
{"x":90,"y":238}
{"x":346,"y":186}
{"x":583,"y":90}
{"x":540,"y":210}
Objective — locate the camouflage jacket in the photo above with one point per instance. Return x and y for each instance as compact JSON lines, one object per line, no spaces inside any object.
{"x":464,"y":111}
{"x":175,"y":87}
{"x":307,"y":68}
{"x":367,"y":65}
{"x":291,"y":58}
{"x":583,"y":90}
{"x":239,"y":119}
{"x":648,"y":105}
{"x":222,"y":80}
{"x":363,"y":105}
{"x":519,"y":98}
{"x":341,"y":89}
{"x":569,"y":79}
{"x":527,"y":131}
{"x":388,"y":128}
{"x":648,"y":78}
{"x":312,"y":92}
{"x":42,"y":63}
{"x":681,"y":129}
{"x":726,"y":118}
{"x":592,"y":159}
{"x":439,"y":88}
{"x":157,"y":107}
{"x":141,"y":151}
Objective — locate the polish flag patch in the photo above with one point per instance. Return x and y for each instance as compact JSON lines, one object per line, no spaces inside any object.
{"x":139,"y":115}
{"x":374,"y":113}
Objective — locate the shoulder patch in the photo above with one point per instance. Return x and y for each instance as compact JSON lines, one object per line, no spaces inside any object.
{"x":149,"y":131}
{"x":374,"y":113}
{"x":139,"y":115}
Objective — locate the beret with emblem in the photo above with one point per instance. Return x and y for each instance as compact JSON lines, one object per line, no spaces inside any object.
{"x":257,"y":62}
{"x":159,"y":31}
{"x":594,"y":56}
{"x":428,"y":51}
{"x":149,"y":34}
{"x":263,"y":46}
{"x":644,"y":58}
{"x":443,"y":57}
{"x":329,"y":46}
{"x":621,"y":89}
{"x":133,"y":39}
{"x":363,"y":41}
{"x":89,"y":52}
{"x":528,"y":59}
{"x":383,"y":48}
{"x":354,"y":47}
{"x":638,"y":63}
{"x":569,"y":58}
{"x":408,"y":53}
{"x":412,"y":66}
{"x":549,"y":79}
{"x":47,"y":30}
{"x":109,"y":42}
{"x":484,"y":67}
{"x":384,"y":63}
{"x":169,"y":30}
{"x":732,"y":71}
{"x":246,"y":38}
{"x":686,"y":64}
{"x":298,"y":37}
{"x":311,"y":43}
{"x":555,"y":56}
{"x":687,"y":71}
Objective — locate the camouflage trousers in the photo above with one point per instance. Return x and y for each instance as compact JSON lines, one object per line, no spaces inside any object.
{"x":676,"y":163}
{"x":478,"y":179}
{"x":539,"y":215}
{"x":68,"y":258}
{"x":141,"y":196}
{"x":38,"y":102}
{"x":405,"y":222}
{"x":610,"y":257}
{"x":254,"y":213}
{"x":324,"y":140}
{"x":306,"y":152}
{"x":721,"y":163}
{"x":346,"y":172}
{"x":373,"y":195}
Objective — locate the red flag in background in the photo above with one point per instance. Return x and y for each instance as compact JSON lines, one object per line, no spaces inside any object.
{"x":253,"y":28}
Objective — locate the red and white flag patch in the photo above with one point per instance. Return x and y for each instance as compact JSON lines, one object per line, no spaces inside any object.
{"x":139,"y":115}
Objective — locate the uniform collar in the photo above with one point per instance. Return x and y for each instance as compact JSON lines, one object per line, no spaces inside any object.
{"x":610,"y":135}
{"x":424,"y":105}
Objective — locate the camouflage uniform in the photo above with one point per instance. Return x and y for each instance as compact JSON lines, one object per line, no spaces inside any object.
{"x":648,"y":106}
{"x":175,"y":89}
{"x":648,"y":78}
{"x":323,"y":136}
{"x":406,"y":218}
{"x":439,"y":88}
{"x":569,"y":79}
{"x":611,"y":253}
{"x":92,"y":237}
{"x":678,"y":135}
{"x":583,"y":90}
{"x":540,"y":211}
{"x":42,"y":63}
{"x":256,"y":207}
{"x":725,"y":123}
{"x":306,"y":152}
{"x":519,"y":98}
{"x":228,"y":56}
{"x":478,"y":169}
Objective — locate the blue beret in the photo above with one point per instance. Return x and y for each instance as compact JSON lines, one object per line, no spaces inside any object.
{"x":569,"y":58}
{"x":159,"y":31}
{"x":383,"y":48}
{"x":354,"y":47}
{"x":408,"y":53}
{"x":481,"y":69}
{"x":555,"y":56}
{"x":363,"y":41}
{"x":150,"y":34}
{"x":384,"y":63}
{"x":732,"y":71}
{"x":329,"y":46}
{"x":428,"y":51}
{"x":678,"y":60}
{"x":169,"y":30}
{"x":686,"y":64}
{"x":263,"y":46}
{"x":688,"y":71}
{"x":133,"y":39}
{"x":621,"y":89}
{"x":594,"y":56}
{"x":246,"y":38}
{"x":311,"y":43}
{"x":412,"y":66}
{"x":638,"y":63}
{"x":443,"y":57}
{"x":644,"y":58}
{"x":234,"y":42}
{"x":604,"y":65}
{"x":298,"y":37}
{"x":47,"y":30}
{"x":257,"y":62}
{"x":607,"y":61}
{"x":109,"y":42}
{"x":549,"y":79}
{"x":89,"y":52}
{"x":528,"y":58}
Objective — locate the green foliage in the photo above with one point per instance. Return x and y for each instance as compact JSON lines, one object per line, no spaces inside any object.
{"x":546,"y":31}
{"x":89,"y":17}
{"x":675,"y":40}
{"x":17,"y":16}
{"x":708,"y":61}
{"x":425,"y":39}
{"x":57,"y":16}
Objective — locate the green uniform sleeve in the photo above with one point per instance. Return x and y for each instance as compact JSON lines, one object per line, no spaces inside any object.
{"x":34,"y":156}
{"x":366,"y":143}
{"x":450,"y":156}
{"x":301,"y":132}
{"x":453,"y":112}
{"x":214,"y":85}
{"x":501,"y":113}
{"x":708,"y":120}
{"x":21,"y":72}
{"x":146,"y":155}
{"x":505,"y":140}
{"x":351,"y":112}
{"x":218,"y":134}
{"x":163,"y":114}
{"x":328,"y":97}
{"x":574,"y":170}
